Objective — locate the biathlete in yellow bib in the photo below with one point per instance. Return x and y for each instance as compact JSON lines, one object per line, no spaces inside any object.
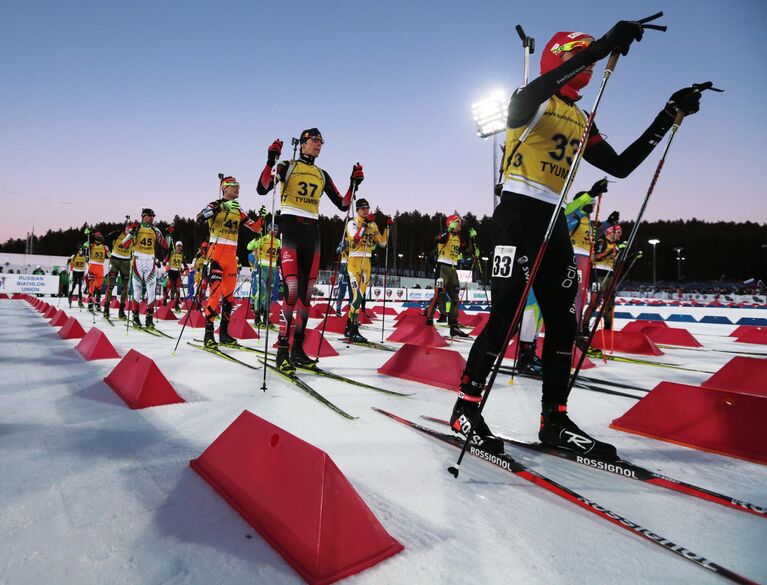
{"x":264,"y":259}
{"x":224,"y":218}
{"x":97,"y":256}
{"x":119,"y":263}
{"x":76,"y":265}
{"x":144,"y":238}
{"x":303,"y":184}
{"x":176,"y":266}
{"x":543,"y":132}
{"x":362,"y":235}
{"x":451,"y":247}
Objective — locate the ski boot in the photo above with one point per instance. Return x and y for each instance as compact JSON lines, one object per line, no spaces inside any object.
{"x":90,"y":306}
{"x":455,"y":331}
{"x":121,"y":312}
{"x":223,"y":333}
{"x":442,"y":319}
{"x":106,"y":312}
{"x":136,"y":320}
{"x":282,"y":359}
{"x":558,"y":431}
{"x":208,"y":339}
{"x":463,"y":415}
{"x":149,"y":319}
{"x":348,"y":328}
{"x":298,"y":356}
{"x":354,"y":334}
{"x":429,"y":322}
{"x":80,"y":304}
{"x":528,"y":363}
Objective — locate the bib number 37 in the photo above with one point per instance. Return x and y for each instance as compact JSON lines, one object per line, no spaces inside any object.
{"x":503,"y":261}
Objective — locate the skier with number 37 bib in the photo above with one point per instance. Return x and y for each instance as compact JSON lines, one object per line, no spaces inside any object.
{"x":544,"y":127}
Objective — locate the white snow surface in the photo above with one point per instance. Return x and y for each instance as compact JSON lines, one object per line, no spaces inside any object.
{"x":94,"y":492}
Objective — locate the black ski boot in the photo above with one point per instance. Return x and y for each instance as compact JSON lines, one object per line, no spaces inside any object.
{"x":136,"y":319}
{"x":348,"y":328}
{"x":282,"y":360}
{"x":209,"y":339}
{"x":90,"y":306}
{"x":354,"y":334}
{"x":463,"y":415}
{"x":429,"y":322}
{"x":298,"y":356}
{"x":121,"y":311}
{"x":442,"y":319}
{"x":223,"y":333}
{"x":558,"y":431}
{"x":529,"y":364}
{"x":455,"y":331}
{"x":149,"y":318}
{"x":106,"y":312}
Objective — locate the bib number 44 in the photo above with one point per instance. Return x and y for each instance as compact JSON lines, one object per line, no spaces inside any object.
{"x":503,"y":261}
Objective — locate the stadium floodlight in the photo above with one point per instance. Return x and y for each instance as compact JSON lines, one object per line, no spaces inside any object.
{"x":490,"y":114}
{"x":654,"y":242}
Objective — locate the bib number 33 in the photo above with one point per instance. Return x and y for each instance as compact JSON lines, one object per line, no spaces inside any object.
{"x":503,"y":261}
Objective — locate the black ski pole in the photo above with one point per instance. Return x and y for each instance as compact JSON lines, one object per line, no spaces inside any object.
{"x":618,"y":269}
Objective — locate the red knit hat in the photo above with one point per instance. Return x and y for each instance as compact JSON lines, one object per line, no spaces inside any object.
{"x":451,"y":218}
{"x":551,"y":58}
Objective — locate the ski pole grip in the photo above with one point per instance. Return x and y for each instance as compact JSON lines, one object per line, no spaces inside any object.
{"x":612,"y":61}
{"x":678,"y":119}
{"x":521,"y":32}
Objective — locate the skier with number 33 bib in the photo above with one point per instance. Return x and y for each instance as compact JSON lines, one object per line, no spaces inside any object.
{"x":544,"y":127}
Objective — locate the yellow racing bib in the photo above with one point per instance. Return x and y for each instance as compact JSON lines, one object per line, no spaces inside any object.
{"x":302,"y":191}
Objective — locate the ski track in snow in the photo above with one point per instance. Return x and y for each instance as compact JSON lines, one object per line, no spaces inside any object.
{"x":93,"y":492}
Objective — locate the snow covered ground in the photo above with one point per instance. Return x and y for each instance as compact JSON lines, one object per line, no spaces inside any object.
{"x":93,"y":492}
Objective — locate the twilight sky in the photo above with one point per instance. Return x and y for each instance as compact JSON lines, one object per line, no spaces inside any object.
{"x":107,"y":106}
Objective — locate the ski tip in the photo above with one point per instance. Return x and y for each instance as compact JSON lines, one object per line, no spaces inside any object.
{"x":454,"y":471}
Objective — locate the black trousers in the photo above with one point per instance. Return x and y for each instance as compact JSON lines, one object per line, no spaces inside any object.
{"x":521,"y":221}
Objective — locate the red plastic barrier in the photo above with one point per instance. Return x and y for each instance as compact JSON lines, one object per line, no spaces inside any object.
{"x":702,"y":418}
{"x":418,"y":335}
{"x":745,"y":375}
{"x":59,"y":318}
{"x":164,"y":313}
{"x":49,"y":312}
{"x":243,"y":311}
{"x":193,"y":319}
{"x":316,"y":313}
{"x":410,"y":321}
{"x":428,"y":365}
{"x":241,"y":329}
{"x":4,"y":296}
{"x":140,"y":383}
{"x":671,"y":336}
{"x":511,"y":353}
{"x":72,"y":329}
{"x":480,"y":322}
{"x":620,"y":341}
{"x":639,"y":325}
{"x":741,"y":329}
{"x":96,"y":346}
{"x":42,"y":308}
{"x":334,"y":325}
{"x":409,"y":311}
{"x":114,"y":304}
{"x":312,"y":339}
{"x":297,"y":499}
{"x":274,"y":313}
{"x":753,"y":336}
{"x":388,"y":310}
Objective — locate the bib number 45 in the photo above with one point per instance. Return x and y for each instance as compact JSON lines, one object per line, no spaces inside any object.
{"x":503,"y":261}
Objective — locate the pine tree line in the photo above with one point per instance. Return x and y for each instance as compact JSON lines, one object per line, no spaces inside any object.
{"x":711,"y":251}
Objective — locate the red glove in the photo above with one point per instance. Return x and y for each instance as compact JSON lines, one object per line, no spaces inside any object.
{"x":371,"y":218}
{"x":274,"y":152}
{"x":134,"y":226}
{"x":389,"y":221}
{"x":357,"y":175}
{"x":170,"y":230}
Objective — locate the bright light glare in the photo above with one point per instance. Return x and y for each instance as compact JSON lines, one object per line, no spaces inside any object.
{"x":653,"y":241}
{"x":490,"y":114}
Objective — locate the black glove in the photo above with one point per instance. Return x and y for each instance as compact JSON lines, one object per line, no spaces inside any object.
{"x":618,"y":38}
{"x":588,"y":208}
{"x":686,"y":100}
{"x":598,"y":188}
